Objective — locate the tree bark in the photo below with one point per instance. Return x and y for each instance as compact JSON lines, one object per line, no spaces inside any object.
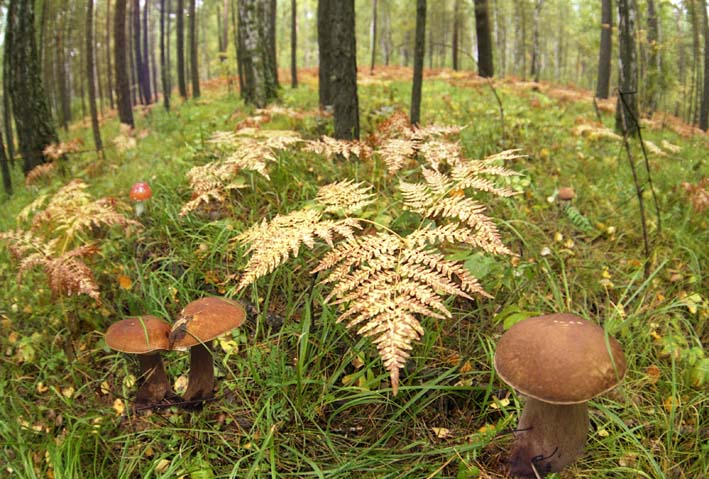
{"x":181,"y":80}
{"x":7,"y":107}
{"x":627,"y":109}
{"x":325,"y":52}
{"x":604,"y":53}
{"x":259,"y":82}
{"x":652,"y":74}
{"x":164,"y":65}
{"x":147,"y":82}
{"x":419,"y":52}
{"x":194,"y":69}
{"x":536,"y":53}
{"x":90,"y":64}
{"x":33,"y":117}
{"x":344,"y":71}
{"x":293,"y":45}
{"x":704,"y":110}
{"x":271,"y":28}
{"x":373,"y":33}
{"x":138,"y":52}
{"x":125,"y":110}
{"x":5,"y":169}
{"x":109,"y":70}
{"x":456,"y":35}
{"x":482,"y":29}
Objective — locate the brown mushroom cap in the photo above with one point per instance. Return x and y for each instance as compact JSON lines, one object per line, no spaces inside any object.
{"x":139,"y":335}
{"x":204,"y":320}
{"x":566,"y":193}
{"x":559,"y":359}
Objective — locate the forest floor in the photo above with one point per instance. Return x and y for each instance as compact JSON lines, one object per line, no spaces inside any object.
{"x":298,"y":394}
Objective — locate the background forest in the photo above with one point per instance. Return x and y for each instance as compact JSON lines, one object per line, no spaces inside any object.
{"x":387,"y":187}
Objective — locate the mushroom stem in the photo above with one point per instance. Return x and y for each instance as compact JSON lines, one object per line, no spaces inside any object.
{"x":549,"y":437}
{"x":200,"y":385}
{"x":156,"y":385}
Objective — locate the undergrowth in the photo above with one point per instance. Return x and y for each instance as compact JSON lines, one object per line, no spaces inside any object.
{"x":300,"y":395}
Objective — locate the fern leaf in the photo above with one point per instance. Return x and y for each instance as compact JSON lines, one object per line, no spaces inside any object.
{"x":397,"y":152}
{"x":437,"y":153}
{"x":330,"y":148}
{"x":345,"y":197}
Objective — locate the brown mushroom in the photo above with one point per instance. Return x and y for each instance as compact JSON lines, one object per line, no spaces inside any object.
{"x":145,"y":336}
{"x":566,"y":193}
{"x":197,"y":325}
{"x":559,"y":362}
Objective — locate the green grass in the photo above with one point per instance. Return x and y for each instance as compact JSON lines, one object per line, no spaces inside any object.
{"x":309,"y":399}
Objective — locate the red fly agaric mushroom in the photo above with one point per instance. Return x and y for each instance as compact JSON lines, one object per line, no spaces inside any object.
{"x":559,"y":362}
{"x":140,"y":192}
{"x":145,"y":336}
{"x":197,"y":325}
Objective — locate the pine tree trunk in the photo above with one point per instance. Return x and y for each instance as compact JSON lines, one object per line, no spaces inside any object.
{"x":154,"y":65}
{"x":293,"y":45}
{"x":33,"y":117}
{"x":652,"y":74}
{"x":604,"y":53}
{"x":536,"y":54}
{"x":344,"y":69}
{"x":456,"y":35}
{"x":109,"y":70}
{"x":194,"y":69}
{"x":704,"y":110}
{"x":325,"y":52}
{"x":259,"y":82}
{"x":138,"y":52}
{"x":164,"y":65}
{"x":482,"y":29}
{"x":419,"y":52}
{"x":238,"y":48}
{"x":64,"y":95}
{"x":7,"y":107}
{"x":90,"y":64}
{"x":373,"y":33}
{"x":627,"y":107}
{"x":125,"y":110}
{"x":181,"y":80}
{"x":5,"y":170}
{"x":271,"y":27}
{"x":147,"y":86}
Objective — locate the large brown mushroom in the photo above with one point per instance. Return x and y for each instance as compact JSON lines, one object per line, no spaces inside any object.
{"x":146,"y":336}
{"x":197,"y":325}
{"x":559,"y":362}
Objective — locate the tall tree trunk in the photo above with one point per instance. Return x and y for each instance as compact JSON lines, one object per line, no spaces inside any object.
{"x":325,"y":91}
{"x":271,"y":26}
{"x":604,"y":53}
{"x":164,"y":65}
{"x":482,"y":29}
{"x":64,"y":95}
{"x":520,"y":37}
{"x":194,"y":69}
{"x":33,"y":118}
{"x":109,"y":70}
{"x":627,"y":109}
{"x":652,"y":74}
{"x":239,"y":49}
{"x":259,"y":86}
{"x":7,"y":107}
{"x":181,"y":80}
{"x":147,"y":86}
{"x":125,"y":110}
{"x":419,"y":52}
{"x":344,"y":69}
{"x":293,"y":45}
{"x":704,"y":110}
{"x":373,"y":36}
{"x":90,"y":64}
{"x":154,"y":66}
{"x":536,"y":53}
{"x":456,"y":35}
{"x":5,"y":169}
{"x":138,"y":52}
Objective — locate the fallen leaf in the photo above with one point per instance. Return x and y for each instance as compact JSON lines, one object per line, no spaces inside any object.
{"x":68,"y":392}
{"x":119,"y":406}
{"x":125,"y":282}
{"x":180,"y":385}
{"x":653,"y":374}
{"x":441,"y":432}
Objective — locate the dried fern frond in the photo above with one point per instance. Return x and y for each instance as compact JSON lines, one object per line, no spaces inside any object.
{"x":68,"y":274}
{"x":345,"y":197}
{"x":653,"y":148}
{"x":395,"y":126}
{"x":670,"y":147}
{"x":21,"y":243}
{"x":271,"y":243}
{"x":396,"y":152}
{"x":437,"y":152}
{"x":433,"y":131}
{"x":39,"y":172}
{"x":330,"y":147}
{"x":387,"y":283}
{"x":211,"y":183}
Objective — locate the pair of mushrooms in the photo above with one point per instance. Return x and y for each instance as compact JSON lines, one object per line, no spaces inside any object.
{"x":559,"y":362}
{"x":199,"y":323}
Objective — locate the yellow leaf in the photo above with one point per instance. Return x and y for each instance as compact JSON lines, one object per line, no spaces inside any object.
{"x":606,"y":274}
{"x":13,"y":337}
{"x":670,"y":403}
{"x":41,"y":388}
{"x":105,"y":387}
{"x":125,"y":282}
{"x":653,"y":374}
{"x":129,"y":381}
{"x":558,"y":237}
{"x":441,"y":432}
{"x":119,"y":406}
{"x":603,"y":432}
{"x":499,"y":403}
{"x":162,"y":465}
{"x":68,"y":392}
{"x":486,"y":429}
{"x":181,"y":384}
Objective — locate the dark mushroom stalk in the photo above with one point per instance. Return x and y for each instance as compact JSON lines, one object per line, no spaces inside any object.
{"x":200,"y":322}
{"x":559,"y":362}
{"x":146,"y":336}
